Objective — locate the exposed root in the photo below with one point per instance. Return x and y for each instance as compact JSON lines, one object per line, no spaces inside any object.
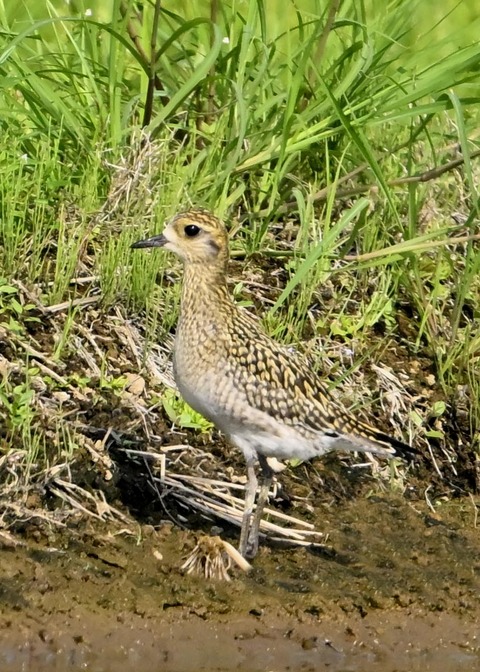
{"x":212,"y":558}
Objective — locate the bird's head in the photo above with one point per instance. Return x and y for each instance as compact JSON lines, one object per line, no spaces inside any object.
{"x":196,"y":236}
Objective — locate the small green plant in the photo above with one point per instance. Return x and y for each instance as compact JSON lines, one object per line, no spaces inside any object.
{"x":434,"y":416}
{"x":79,"y":380}
{"x":18,"y":416}
{"x":15,"y":313}
{"x":114,"y":384}
{"x":181,"y":414}
{"x":17,"y":401}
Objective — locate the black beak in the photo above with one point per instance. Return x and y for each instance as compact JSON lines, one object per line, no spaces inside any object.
{"x":154,"y":241}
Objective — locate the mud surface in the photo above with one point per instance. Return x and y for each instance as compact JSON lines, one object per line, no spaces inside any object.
{"x":396,"y":588}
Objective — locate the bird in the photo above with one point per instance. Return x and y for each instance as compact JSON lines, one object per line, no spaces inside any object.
{"x":265,"y":398}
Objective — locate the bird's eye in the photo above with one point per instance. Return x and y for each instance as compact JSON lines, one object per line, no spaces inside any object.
{"x":192,"y":230}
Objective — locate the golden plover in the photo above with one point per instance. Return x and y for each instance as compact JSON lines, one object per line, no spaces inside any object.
{"x":265,"y":398}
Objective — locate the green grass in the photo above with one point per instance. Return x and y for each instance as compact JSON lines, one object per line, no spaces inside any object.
{"x":301,"y":130}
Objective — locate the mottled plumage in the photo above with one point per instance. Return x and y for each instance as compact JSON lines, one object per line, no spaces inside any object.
{"x":263,"y":396}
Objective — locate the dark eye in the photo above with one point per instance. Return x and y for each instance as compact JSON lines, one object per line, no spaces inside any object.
{"x":192,"y":230}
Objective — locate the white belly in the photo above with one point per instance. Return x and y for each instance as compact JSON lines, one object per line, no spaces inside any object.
{"x":250,"y":429}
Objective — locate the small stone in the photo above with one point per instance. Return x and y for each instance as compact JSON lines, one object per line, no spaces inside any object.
{"x":135,"y":384}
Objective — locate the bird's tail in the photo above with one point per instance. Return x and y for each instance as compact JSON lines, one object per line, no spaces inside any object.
{"x":358,"y":435}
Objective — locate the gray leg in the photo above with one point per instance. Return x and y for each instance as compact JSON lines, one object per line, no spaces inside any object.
{"x":250,"y":493}
{"x":252,"y":539}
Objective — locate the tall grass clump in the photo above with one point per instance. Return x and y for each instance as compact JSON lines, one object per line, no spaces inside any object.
{"x":339,"y":139}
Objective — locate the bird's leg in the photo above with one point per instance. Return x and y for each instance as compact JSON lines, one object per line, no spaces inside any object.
{"x":252,"y":539}
{"x":250,"y":493}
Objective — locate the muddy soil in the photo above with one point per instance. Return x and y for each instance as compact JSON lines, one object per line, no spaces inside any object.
{"x":396,"y":588}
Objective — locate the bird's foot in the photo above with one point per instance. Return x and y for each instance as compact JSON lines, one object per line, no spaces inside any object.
{"x":251,"y":549}
{"x":249,"y":540}
{"x":245,"y":534}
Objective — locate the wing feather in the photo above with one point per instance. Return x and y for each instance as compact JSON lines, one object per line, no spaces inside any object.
{"x":278,"y":382}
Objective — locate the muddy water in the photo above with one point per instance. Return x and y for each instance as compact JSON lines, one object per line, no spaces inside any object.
{"x":248,"y":644}
{"x":396,"y":589}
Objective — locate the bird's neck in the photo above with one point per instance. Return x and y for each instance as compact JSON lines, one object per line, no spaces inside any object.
{"x":204,"y":286}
